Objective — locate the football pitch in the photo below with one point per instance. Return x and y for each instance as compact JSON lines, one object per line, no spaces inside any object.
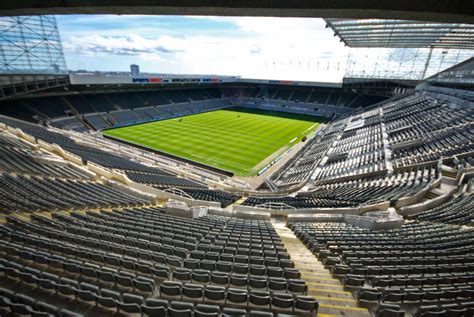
{"x":238,"y":140}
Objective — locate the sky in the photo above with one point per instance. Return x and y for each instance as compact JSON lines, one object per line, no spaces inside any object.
{"x":250,"y":47}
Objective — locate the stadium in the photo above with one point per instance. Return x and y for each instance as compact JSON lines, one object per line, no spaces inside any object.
{"x":181,"y":195}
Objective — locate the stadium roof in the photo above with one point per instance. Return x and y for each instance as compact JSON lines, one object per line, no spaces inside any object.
{"x":461,"y":74}
{"x":458,"y":11}
{"x":402,"y":34}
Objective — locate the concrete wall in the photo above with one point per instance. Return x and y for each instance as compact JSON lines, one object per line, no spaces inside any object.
{"x":240,"y":214}
{"x":405,"y":201}
{"x":327,"y":111}
{"x":372,"y":223}
{"x":429,"y":204}
{"x":285,"y":212}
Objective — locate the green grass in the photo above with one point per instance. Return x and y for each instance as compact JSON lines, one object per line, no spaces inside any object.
{"x":236,"y":139}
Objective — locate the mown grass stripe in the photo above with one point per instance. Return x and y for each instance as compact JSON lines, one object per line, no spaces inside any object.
{"x":232,"y":139}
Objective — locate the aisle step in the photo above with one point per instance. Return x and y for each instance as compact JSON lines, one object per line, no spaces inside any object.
{"x":333,"y":299}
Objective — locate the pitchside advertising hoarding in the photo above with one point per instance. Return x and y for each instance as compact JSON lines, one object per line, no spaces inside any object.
{"x":142,"y":80}
{"x":154,"y":80}
{"x":282,"y":82}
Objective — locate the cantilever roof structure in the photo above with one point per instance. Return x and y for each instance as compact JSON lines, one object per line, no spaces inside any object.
{"x":402,"y":34}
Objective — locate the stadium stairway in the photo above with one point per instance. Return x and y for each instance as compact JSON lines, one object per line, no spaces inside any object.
{"x":449,"y":174}
{"x":239,"y":201}
{"x":432,"y":195}
{"x":333,"y":299}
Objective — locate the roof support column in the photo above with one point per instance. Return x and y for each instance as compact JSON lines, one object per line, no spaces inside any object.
{"x":428,"y":59}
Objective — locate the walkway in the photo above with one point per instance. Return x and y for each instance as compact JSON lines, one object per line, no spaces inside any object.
{"x":333,"y":299}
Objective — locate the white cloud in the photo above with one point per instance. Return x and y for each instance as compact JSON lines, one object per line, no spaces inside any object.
{"x":132,"y":44}
{"x":257,"y":47}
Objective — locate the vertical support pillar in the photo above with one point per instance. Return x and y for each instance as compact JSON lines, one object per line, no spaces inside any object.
{"x":428,"y":59}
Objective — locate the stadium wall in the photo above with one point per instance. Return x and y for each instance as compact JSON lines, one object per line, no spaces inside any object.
{"x":292,"y":107}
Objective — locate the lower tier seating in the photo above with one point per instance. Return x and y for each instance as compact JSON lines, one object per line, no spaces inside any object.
{"x":25,"y":193}
{"x":456,"y":211}
{"x":141,"y":261}
{"x":297,"y":202}
{"x":425,"y":268}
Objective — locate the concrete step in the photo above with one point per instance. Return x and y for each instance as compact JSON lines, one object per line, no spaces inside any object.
{"x":431,"y":195}
{"x":333,"y":299}
{"x":449,"y":174}
{"x":240,"y":201}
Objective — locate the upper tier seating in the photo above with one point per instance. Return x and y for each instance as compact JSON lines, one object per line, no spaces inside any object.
{"x":359,"y":152}
{"x":322,"y":96}
{"x":122,"y":107}
{"x":50,"y":107}
{"x":301,"y":166}
{"x":413,"y":130}
{"x":123,"y":117}
{"x":403,"y":183}
{"x":433,"y":128}
{"x":463,"y":162}
{"x":18,"y":109}
{"x":133,"y":116}
{"x":298,"y":202}
{"x":100,"y":102}
{"x":347,"y":193}
{"x":69,"y":123}
{"x":147,"y":113}
{"x":98,"y":121}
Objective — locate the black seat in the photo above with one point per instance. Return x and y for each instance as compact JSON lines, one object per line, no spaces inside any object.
{"x":108,"y":298}
{"x":155,"y":307}
{"x":180,"y":309}
{"x":21,"y":309}
{"x":201,"y":276}
{"x":235,"y":295}
{"x":368,"y":295}
{"x":228,"y":312}
{"x":160,"y":272}
{"x":203,"y":310}
{"x":283,"y":300}
{"x":182,"y":275}
{"x":297,"y":286}
{"x":170,"y":288}
{"x":193,"y":291}
{"x":260,"y":298}
{"x":389,"y":310}
{"x":238,"y":280}
{"x":144,"y":284}
{"x":306,"y":303}
{"x":85,"y":295}
{"x":220,"y":278}
{"x":214,"y":293}
{"x":124,"y":281}
{"x":46,"y":308}
{"x":258,"y":313}
{"x":130,"y":303}
{"x":277,"y":284}
{"x":258,"y":282}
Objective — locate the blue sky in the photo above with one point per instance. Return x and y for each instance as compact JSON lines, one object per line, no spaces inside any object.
{"x":253,"y":47}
